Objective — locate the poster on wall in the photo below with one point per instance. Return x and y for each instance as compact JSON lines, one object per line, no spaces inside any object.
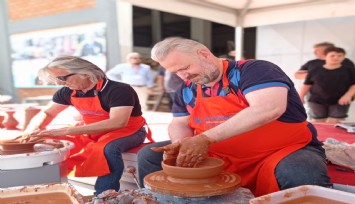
{"x":33,"y":50}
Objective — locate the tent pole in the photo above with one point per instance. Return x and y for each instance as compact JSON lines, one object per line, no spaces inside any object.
{"x":239,"y":31}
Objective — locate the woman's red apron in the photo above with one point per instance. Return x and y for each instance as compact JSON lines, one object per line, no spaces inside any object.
{"x":252,"y":155}
{"x":87,"y":157}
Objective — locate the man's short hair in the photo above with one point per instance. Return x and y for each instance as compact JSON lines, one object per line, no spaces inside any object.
{"x":133,"y":54}
{"x":324,"y":44}
{"x":334,"y":49}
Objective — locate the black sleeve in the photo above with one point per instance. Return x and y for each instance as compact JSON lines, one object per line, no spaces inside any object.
{"x":161,"y":71}
{"x":119,"y":94}
{"x":348,"y":63}
{"x":62,"y":96}
{"x":123,"y":95}
{"x":352,"y":75}
{"x":305,"y":66}
{"x":258,"y":73}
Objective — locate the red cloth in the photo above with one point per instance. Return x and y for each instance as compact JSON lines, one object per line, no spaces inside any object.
{"x":326,"y":130}
{"x":338,"y":174}
{"x":341,"y":175}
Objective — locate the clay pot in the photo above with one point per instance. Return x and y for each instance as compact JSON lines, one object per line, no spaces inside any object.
{"x":209,"y":168}
{"x":1,"y":119}
{"x":11,"y":146}
{"x":30,"y":112}
{"x":10,"y":122}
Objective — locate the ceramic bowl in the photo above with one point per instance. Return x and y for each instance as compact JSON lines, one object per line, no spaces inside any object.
{"x":10,"y":146}
{"x":210,"y":167}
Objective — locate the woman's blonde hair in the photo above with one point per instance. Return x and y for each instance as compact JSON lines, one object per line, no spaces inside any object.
{"x":73,"y":65}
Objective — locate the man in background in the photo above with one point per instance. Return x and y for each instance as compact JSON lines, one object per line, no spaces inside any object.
{"x":331,"y":87}
{"x":319,"y":61}
{"x":168,"y":82}
{"x":136,"y":74}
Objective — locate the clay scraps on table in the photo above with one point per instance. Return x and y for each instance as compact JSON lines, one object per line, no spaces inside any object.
{"x":123,"y":197}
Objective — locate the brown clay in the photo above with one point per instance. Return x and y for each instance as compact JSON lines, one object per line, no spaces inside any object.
{"x":312,"y":200}
{"x":210,"y":167}
{"x":10,"y":122}
{"x":57,"y":197}
{"x":193,"y":181}
{"x":1,"y":120}
{"x":15,"y":147}
{"x":206,"y":179}
{"x":159,"y":182}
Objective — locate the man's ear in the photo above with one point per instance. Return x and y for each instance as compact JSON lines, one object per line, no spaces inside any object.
{"x":85,"y":75}
{"x":204,"y":53}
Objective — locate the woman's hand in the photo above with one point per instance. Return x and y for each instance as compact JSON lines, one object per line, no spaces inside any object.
{"x":52,"y":132}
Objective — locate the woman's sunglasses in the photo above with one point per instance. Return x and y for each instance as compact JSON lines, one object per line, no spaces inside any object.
{"x":64,"y":78}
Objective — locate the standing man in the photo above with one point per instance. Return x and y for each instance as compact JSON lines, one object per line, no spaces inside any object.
{"x":168,"y":83}
{"x":319,"y":61}
{"x":136,"y":74}
{"x":247,"y":113}
{"x":331,"y":87}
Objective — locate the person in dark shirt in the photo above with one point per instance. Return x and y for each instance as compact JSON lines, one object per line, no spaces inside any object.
{"x":91,"y":46}
{"x":247,"y":113}
{"x":331,"y":87}
{"x":112,"y":119}
{"x":319,"y":61}
{"x":168,"y":83}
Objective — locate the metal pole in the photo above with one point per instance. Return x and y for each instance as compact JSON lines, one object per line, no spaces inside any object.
{"x":239,"y":33}
{"x":6,"y":80}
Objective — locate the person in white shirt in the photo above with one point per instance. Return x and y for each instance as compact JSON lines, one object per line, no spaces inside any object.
{"x":136,"y":74}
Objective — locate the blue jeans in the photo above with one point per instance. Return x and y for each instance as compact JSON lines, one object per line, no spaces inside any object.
{"x":302,"y":167}
{"x":149,"y":161}
{"x":306,"y":166}
{"x":113,"y":153}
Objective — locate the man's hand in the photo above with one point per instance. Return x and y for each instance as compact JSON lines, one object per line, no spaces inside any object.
{"x":193,"y":150}
{"x":189,"y":152}
{"x":345,"y":100}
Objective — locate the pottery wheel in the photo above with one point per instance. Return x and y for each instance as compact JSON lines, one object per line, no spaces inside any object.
{"x":46,"y":152}
{"x":222,"y":184}
{"x":17,"y":147}
{"x":30,"y":147}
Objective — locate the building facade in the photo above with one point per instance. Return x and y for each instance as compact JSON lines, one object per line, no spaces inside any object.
{"x":101,"y":31}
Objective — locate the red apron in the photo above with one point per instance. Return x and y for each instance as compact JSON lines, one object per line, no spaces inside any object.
{"x":252,"y":155}
{"x":87,"y":157}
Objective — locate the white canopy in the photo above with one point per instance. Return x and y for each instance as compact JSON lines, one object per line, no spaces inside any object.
{"x":250,"y":13}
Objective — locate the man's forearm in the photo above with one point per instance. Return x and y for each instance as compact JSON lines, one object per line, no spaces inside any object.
{"x":301,"y":74}
{"x":178,"y":131}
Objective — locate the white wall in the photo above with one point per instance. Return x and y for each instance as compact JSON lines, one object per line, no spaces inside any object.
{"x":290,"y":45}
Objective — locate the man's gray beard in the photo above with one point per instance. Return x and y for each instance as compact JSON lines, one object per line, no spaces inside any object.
{"x":211,"y":77}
